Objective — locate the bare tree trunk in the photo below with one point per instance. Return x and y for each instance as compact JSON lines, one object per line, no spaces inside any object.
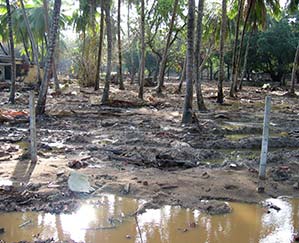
{"x":245,"y":62}
{"x":200,"y":101}
{"x":46,"y":17}
{"x":165,"y":53}
{"x":222,"y":40}
{"x":25,"y":45}
{"x":183,"y":77}
{"x":97,"y":81}
{"x":34,"y":46}
{"x":295,"y":68}
{"x":120,"y":72}
{"x":187,"y":112}
{"x":237,"y":84}
{"x":12,"y":55}
{"x":105,"y":97}
{"x":235,"y":50}
{"x":142,"y":61}
{"x":3,"y":49}
{"x":42,"y":97}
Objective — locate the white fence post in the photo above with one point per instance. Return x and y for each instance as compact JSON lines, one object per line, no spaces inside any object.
{"x":263,"y":161}
{"x":33,"y":150}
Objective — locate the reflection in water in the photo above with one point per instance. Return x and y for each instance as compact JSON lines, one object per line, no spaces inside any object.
{"x":247,"y":223}
{"x":279,"y":225}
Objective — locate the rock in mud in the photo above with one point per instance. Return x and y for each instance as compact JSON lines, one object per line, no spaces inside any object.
{"x":77,"y":164}
{"x":79,"y":183}
{"x":2,"y":230}
{"x":214,"y":207}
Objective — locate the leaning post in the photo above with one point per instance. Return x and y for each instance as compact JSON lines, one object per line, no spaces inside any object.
{"x":265,"y":139}
{"x":33,"y":149}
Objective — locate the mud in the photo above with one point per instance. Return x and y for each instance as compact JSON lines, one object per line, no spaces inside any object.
{"x":142,"y":146}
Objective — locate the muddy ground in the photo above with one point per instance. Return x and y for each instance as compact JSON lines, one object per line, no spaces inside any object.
{"x":141,"y":150}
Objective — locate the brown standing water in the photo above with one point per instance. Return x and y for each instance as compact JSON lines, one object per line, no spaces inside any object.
{"x":94,"y":221}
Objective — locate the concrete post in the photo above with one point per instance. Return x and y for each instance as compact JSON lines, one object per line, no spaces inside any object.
{"x":33,"y":150}
{"x":263,"y":161}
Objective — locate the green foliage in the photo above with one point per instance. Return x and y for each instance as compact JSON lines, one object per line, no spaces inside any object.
{"x":273,"y":50}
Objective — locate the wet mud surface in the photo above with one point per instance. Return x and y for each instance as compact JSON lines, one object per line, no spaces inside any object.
{"x":140,"y":150}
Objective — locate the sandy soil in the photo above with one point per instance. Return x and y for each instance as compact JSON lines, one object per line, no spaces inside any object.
{"x":141,"y":150}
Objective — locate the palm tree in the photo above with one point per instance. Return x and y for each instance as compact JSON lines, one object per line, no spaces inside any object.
{"x":221,"y":51}
{"x":120,"y":73}
{"x":142,"y":58}
{"x":165,"y":53}
{"x":235,"y":49}
{"x":105,"y":97}
{"x":42,"y":97}
{"x":200,"y":101}
{"x":12,"y":55}
{"x":187,"y":112}
{"x":46,"y":16}
{"x":294,"y":70}
{"x":97,"y":79}
{"x":33,"y":44}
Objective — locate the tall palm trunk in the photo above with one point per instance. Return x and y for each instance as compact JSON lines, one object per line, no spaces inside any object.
{"x":142,"y":58}
{"x":295,"y":68}
{"x":245,"y":61}
{"x":235,"y":50}
{"x":183,"y":76}
{"x":105,"y":97}
{"x":33,"y":44}
{"x":221,"y":51}
{"x":46,"y":16}
{"x":187,"y":112}
{"x":97,"y":81}
{"x":12,"y":55}
{"x":200,"y":101}
{"x":165,"y":53}
{"x":237,"y":84}
{"x":120,"y":72}
{"x":42,"y":97}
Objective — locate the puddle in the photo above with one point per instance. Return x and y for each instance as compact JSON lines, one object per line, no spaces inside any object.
{"x":107,"y":220}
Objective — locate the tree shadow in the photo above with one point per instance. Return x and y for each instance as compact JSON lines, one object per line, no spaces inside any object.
{"x":23,"y":171}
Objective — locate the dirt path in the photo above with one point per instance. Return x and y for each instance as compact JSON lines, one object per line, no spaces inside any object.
{"x":141,"y":150}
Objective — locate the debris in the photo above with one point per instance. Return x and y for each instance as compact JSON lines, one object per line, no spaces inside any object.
{"x":145,"y":183}
{"x":128,"y":237}
{"x":25,"y":223}
{"x":296,"y":186}
{"x":205,"y":175}
{"x":167,"y":187}
{"x":12,"y":115}
{"x":79,"y":183}
{"x":2,"y":230}
{"x":296,"y":237}
{"x":77,"y":164}
{"x":127,"y":188}
{"x":233,"y":166}
{"x":260,"y":189}
{"x":192,"y":225}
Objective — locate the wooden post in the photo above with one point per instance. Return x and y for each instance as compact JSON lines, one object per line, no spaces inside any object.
{"x":33,"y":151}
{"x":263,"y":161}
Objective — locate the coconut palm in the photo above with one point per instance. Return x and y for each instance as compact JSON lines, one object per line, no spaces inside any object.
{"x":221,"y":51}
{"x":32,"y":40}
{"x":120,"y":73}
{"x":42,"y":97}
{"x":142,"y":58}
{"x":105,"y":97}
{"x":187,"y":111}
{"x":166,"y":49}
{"x":97,"y":79}
{"x":200,"y":101}
{"x":12,"y":54}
